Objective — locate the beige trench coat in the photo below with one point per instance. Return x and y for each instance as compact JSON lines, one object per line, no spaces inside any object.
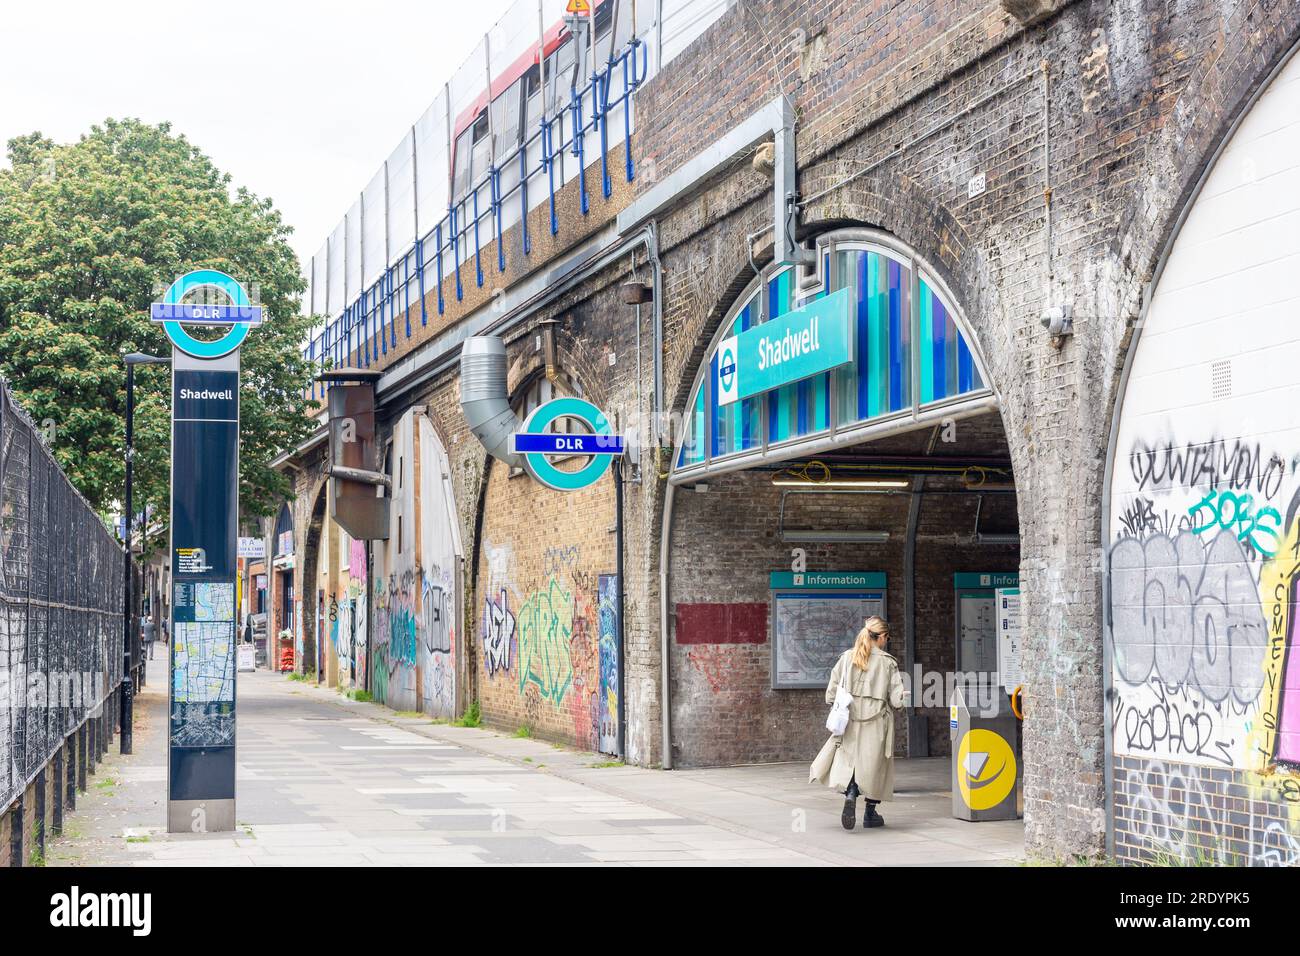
{"x":866,"y":750}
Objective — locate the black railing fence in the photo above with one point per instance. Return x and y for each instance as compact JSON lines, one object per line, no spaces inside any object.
{"x":60,"y":605}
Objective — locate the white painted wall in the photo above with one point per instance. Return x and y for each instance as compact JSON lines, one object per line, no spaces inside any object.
{"x":1196,"y":557}
{"x":440,"y":563}
{"x":415,"y":583}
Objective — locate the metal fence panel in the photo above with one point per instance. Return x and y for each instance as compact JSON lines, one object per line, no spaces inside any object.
{"x":352,"y":253}
{"x":401,"y":201}
{"x":431,"y":163}
{"x":60,"y":604}
{"x":374,"y":218}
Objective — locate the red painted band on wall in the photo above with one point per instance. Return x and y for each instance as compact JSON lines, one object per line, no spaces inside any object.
{"x":722,"y":623}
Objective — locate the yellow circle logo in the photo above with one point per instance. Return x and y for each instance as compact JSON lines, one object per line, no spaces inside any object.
{"x":986,"y":769}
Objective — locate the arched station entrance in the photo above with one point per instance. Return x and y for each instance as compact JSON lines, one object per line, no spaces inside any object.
{"x":800,"y":504}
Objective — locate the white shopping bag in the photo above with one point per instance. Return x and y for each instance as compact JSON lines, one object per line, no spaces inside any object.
{"x":838,"y":721}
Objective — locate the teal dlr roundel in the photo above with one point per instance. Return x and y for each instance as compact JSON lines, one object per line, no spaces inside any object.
{"x":540,"y":467}
{"x":233,"y":291}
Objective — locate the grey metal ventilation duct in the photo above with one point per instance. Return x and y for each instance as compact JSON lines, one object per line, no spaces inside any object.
{"x":483,"y":396}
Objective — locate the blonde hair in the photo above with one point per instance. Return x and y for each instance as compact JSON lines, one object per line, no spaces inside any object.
{"x":874,"y":628}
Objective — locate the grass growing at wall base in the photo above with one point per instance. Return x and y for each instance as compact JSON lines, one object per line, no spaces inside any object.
{"x":1075,"y":859}
{"x":472,"y":717}
{"x":360,"y":696}
{"x":38,"y":854}
{"x":524,"y":731}
{"x":1198,"y":854}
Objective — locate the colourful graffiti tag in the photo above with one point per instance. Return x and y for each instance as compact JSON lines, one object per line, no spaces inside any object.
{"x":498,"y":635}
{"x":545,"y":630}
{"x":1236,"y":513}
{"x":357,"y":609}
{"x":609,"y":689}
{"x":1276,"y":735}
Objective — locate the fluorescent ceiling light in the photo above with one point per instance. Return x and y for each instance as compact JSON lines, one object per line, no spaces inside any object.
{"x":842,"y":483}
{"x":864,"y":536}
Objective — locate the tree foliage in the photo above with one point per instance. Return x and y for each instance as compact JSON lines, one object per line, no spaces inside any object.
{"x":90,"y":234}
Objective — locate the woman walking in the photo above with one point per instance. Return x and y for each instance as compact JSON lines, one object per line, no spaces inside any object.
{"x":861,"y":760}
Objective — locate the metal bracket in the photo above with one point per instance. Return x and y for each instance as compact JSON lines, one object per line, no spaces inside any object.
{"x":775,"y":120}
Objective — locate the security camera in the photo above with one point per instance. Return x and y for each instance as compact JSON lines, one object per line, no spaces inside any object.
{"x":1057,"y":321}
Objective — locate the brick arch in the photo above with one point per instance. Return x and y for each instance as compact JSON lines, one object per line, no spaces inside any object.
{"x":893,"y":204}
{"x":1214,"y":101}
{"x":309,"y":571}
{"x":899,"y":206}
{"x":745,"y":286}
{"x":572,"y":365}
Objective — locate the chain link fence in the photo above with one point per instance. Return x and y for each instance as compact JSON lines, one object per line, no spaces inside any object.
{"x":60,"y":604}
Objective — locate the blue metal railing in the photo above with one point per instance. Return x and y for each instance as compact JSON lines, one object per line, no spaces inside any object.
{"x":363,"y":332}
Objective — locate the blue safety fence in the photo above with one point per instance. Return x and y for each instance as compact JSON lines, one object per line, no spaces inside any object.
{"x":394,"y":307}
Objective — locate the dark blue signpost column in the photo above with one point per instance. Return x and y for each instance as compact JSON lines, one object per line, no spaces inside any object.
{"x":204,"y":533}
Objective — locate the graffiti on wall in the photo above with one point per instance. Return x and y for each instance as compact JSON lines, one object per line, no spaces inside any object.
{"x":553,"y":643}
{"x":357,"y":612}
{"x":438,"y":643}
{"x":1189,"y":631}
{"x":498,"y":634}
{"x":545,"y":631}
{"x":393,"y":655}
{"x":1203,"y":573}
{"x":608,"y":696}
{"x":414,"y":640}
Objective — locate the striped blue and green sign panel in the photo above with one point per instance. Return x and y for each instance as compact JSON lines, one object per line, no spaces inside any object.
{"x":882,"y":380}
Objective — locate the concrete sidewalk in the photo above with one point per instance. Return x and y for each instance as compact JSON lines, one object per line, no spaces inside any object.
{"x":323,"y":780}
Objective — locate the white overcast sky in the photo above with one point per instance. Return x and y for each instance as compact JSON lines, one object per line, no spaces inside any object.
{"x":299,"y":101}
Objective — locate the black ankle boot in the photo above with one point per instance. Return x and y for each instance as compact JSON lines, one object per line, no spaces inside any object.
{"x":848,"y":817}
{"x":871,"y":818}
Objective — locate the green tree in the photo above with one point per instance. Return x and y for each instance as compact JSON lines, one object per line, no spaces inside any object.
{"x":90,"y":234}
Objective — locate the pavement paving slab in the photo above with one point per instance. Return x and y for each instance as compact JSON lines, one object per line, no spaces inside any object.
{"x":326,"y":781}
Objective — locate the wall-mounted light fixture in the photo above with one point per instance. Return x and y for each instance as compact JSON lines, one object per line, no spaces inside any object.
{"x":636,"y":293}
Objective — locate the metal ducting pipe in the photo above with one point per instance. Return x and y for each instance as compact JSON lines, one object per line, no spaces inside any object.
{"x":483,"y":396}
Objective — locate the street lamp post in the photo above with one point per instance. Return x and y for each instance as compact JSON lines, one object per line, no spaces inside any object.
{"x":132,"y":360}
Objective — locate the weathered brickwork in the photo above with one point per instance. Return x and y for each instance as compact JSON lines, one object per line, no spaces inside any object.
{"x":539,"y":643}
{"x":1118,"y":176}
{"x":1184,"y":815}
{"x":727,"y":539}
{"x":1090,"y":129}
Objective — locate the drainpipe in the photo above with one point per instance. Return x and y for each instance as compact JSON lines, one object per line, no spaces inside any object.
{"x":483,"y":396}
{"x":617,"y":472}
{"x":651,"y":238}
{"x":915,"y":747}
{"x":665,"y":668}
